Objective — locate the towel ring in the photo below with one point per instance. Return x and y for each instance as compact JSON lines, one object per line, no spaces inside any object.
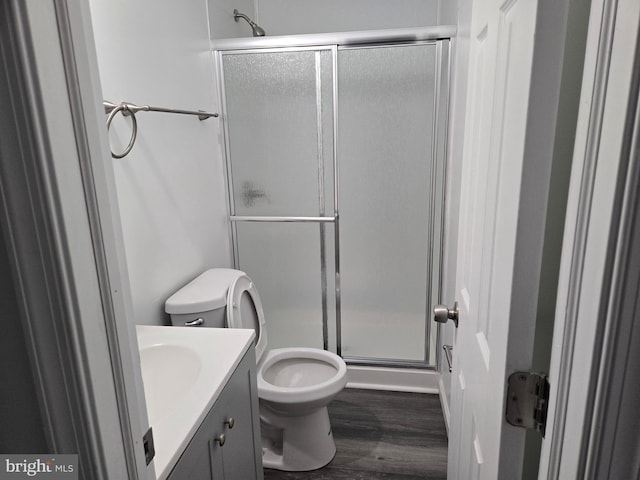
{"x":130,"y":109}
{"x":124,"y":108}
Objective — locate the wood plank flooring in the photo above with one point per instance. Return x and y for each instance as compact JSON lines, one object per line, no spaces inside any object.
{"x":382,"y":436}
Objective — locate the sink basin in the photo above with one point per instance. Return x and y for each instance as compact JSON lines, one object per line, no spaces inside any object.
{"x":184,"y":370}
{"x":169,"y":373}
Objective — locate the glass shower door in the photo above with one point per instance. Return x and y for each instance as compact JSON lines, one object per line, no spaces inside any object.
{"x":355,"y":268}
{"x":387,"y":167}
{"x":279,"y":111}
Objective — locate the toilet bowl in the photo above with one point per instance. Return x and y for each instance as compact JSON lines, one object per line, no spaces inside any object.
{"x":295,"y":385}
{"x":301,"y":379}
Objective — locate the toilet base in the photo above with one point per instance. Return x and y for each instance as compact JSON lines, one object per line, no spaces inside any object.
{"x":296,"y":443}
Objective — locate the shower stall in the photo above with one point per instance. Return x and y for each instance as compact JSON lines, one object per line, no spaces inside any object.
{"x":335,"y":150}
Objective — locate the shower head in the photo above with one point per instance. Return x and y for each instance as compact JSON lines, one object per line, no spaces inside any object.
{"x":257,"y":30}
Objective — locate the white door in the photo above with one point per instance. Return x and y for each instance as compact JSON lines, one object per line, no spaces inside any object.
{"x":503,"y":191}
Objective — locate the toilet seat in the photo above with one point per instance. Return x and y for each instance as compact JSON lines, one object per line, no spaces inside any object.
{"x":331,"y":381}
{"x":236,"y":299}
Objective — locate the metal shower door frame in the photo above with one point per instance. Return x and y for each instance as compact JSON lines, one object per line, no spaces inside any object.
{"x":321,"y":219}
{"x":441,"y":103}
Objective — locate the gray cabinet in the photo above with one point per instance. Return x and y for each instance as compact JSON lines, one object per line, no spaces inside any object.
{"x":227,"y":444}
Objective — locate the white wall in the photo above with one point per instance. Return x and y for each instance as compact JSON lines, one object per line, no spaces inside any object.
{"x":288,"y":17}
{"x":171,"y":188}
{"x":221,"y":21}
{"x":448,"y":11}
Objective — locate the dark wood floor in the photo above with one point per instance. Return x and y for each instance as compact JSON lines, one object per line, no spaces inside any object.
{"x":382,"y":435}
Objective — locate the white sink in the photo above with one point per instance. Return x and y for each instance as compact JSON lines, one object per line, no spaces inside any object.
{"x":184,"y":369}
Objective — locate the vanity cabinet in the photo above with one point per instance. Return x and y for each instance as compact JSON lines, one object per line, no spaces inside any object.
{"x":227,"y":444}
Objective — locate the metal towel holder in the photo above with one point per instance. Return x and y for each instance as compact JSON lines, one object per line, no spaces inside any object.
{"x":129,"y":109}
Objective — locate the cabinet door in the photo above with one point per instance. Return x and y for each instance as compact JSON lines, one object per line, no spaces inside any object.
{"x":223,"y":449}
{"x":242,"y":450}
{"x":202,"y":460}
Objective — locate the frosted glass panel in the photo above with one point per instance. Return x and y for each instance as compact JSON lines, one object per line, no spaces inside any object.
{"x":386,"y":116}
{"x":279,"y":117}
{"x":283,"y":259}
{"x":279,"y":125}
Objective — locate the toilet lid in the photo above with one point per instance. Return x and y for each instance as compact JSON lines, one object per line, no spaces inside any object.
{"x":244,"y":310}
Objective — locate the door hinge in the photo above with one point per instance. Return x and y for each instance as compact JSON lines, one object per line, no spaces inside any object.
{"x":528,"y":400}
{"x":149,"y":449}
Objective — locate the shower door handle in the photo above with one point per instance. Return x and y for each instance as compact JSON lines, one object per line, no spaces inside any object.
{"x":442,"y":314}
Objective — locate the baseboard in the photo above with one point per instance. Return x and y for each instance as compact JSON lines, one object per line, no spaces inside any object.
{"x":395,"y":379}
{"x":444,"y":404}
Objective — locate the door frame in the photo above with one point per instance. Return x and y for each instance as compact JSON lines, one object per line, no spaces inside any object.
{"x":62,"y":229}
{"x":600,"y":214}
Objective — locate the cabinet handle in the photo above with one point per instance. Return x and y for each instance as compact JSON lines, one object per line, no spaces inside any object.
{"x":230,"y":422}
{"x":221,"y":439}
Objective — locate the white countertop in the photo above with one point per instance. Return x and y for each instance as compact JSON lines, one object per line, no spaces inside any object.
{"x":184,"y":370}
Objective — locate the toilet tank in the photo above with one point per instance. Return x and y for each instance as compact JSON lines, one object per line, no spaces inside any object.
{"x":202,"y":302}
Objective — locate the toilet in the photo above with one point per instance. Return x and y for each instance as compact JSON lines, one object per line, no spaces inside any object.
{"x":295,"y":385}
